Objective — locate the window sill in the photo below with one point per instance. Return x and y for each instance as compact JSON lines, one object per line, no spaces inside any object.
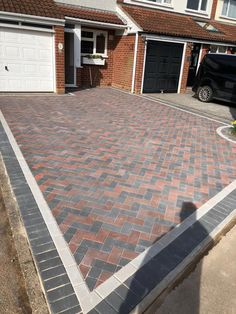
{"x":153,"y":4}
{"x":93,"y":61}
{"x":201,"y":13}
{"x":227,"y":18}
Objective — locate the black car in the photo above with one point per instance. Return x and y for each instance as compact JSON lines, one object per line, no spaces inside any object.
{"x":216,"y":78}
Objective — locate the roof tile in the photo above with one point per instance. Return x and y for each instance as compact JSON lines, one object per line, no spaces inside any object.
{"x":90,"y":14}
{"x":45,"y":8}
{"x":173,"y":24}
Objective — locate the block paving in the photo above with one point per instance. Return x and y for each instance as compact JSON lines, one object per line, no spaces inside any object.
{"x":118,"y":171}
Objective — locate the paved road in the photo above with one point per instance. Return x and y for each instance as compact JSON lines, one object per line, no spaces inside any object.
{"x":211,"y":288}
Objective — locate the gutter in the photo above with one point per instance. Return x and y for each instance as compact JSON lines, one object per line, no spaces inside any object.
{"x":31,"y":18}
{"x":149,"y":36}
{"x":95,"y":23}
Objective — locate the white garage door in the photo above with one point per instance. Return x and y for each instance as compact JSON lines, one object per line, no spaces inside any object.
{"x":26,"y":61}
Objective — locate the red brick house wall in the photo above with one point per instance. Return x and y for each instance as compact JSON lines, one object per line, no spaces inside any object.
{"x":60,"y":59}
{"x":205,"y":50}
{"x":101,"y":75}
{"x":123,"y":58}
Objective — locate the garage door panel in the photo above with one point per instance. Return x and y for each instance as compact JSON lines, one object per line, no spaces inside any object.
{"x":29,"y":61}
{"x":30,"y":69}
{"x":163,"y":64}
{"x":44,"y":54}
{"x":11,"y":37}
{"x":12,"y":52}
{"x":29,"y":54}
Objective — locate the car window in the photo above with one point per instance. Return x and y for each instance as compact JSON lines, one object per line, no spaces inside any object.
{"x":222,"y":64}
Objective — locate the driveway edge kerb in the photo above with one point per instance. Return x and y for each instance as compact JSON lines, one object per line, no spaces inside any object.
{"x":205,"y":249}
{"x":220,"y":133}
{"x":32,"y":282}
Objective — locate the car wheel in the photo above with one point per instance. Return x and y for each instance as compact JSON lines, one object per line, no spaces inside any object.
{"x":205,"y":93}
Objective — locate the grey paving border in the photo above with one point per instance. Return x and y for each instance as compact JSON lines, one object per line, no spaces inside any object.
{"x":137,"y":284}
{"x":58,"y":289}
{"x":30,"y":276}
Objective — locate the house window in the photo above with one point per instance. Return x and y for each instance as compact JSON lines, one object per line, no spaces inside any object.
{"x":93,"y":42}
{"x":229,"y":8}
{"x":218,"y":49}
{"x":197,"y":5}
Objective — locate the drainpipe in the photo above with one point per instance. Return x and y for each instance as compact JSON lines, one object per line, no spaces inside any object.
{"x":135,"y":62}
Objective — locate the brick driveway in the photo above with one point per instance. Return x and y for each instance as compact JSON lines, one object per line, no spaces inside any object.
{"x":118,"y":171}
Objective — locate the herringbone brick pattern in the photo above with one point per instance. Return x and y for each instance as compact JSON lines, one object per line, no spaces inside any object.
{"x":117,"y":171}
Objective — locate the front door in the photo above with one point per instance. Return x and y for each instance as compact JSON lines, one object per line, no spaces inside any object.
{"x":193,"y":64}
{"x":162,"y":69}
{"x":69,"y":59}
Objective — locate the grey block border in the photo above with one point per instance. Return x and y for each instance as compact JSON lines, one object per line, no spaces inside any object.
{"x":50,"y":251}
{"x":31,"y":280}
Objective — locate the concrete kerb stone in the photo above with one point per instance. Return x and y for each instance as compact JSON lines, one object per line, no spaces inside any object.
{"x":34,"y":287}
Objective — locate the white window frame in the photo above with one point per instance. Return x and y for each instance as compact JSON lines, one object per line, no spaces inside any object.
{"x":227,"y":13}
{"x":199,"y":7}
{"x":161,"y":2}
{"x":94,"y":40}
{"x":77,"y":40}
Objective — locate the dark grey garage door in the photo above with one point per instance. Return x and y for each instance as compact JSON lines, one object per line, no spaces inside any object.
{"x":162,"y":69}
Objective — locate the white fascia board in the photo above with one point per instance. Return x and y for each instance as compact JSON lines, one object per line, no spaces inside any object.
{"x":183,"y":40}
{"x":132,"y":26}
{"x":95,"y":23}
{"x":29,"y":28}
{"x":30,"y":18}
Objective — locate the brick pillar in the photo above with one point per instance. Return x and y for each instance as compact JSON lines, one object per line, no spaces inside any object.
{"x":60,"y":59}
{"x":187,"y":59}
{"x":139,"y":65}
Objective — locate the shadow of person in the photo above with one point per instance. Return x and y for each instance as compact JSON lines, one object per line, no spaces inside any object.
{"x":158,"y":266}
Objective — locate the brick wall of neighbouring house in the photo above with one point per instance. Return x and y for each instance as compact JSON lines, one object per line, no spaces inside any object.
{"x":185,"y":73}
{"x":60,"y":71}
{"x":123,"y":56}
{"x":96,"y":75}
